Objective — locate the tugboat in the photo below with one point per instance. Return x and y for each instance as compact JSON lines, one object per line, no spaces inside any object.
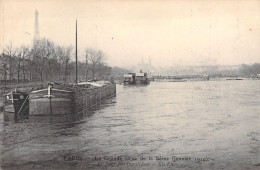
{"x":136,"y":78}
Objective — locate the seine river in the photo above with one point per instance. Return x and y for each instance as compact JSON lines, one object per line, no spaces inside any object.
{"x":165,"y":125}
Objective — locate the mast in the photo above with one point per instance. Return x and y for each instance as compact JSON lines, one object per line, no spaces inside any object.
{"x":76,"y":57}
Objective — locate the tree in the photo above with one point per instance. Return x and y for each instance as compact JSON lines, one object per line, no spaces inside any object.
{"x":64,"y":56}
{"x":10,"y":52}
{"x":96,"y":58}
{"x":22,"y":52}
{"x":88,"y":52}
{"x":46,"y":61}
{"x":250,"y":70}
{"x":29,"y":64}
{"x":256,"y":68}
{"x":4,"y":65}
{"x":42,"y":52}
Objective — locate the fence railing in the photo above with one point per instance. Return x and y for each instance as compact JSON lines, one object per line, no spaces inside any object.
{"x":93,"y":97}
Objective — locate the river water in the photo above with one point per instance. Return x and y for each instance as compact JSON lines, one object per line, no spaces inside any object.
{"x":165,"y":125}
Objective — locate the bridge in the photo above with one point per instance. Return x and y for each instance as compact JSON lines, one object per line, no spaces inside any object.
{"x":179,"y":78}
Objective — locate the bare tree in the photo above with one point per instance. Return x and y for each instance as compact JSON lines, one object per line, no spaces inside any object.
{"x":10,"y":52}
{"x":95,"y":60}
{"x":46,"y":61}
{"x":26,"y":62}
{"x":22,"y":52}
{"x":42,"y":52}
{"x":89,"y":52}
{"x":31,"y":64}
{"x":65,"y":57}
{"x":4,"y":65}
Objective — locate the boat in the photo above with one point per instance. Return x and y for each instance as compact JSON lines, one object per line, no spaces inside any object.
{"x":136,"y":79}
{"x":61,"y":99}
{"x":56,"y":99}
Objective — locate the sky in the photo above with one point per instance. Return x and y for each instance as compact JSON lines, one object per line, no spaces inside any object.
{"x":170,"y":32}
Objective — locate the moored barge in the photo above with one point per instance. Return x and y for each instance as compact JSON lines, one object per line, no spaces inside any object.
{"x":60,"y":99}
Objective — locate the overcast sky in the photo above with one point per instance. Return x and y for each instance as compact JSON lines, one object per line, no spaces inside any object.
{"x":174,"y":32}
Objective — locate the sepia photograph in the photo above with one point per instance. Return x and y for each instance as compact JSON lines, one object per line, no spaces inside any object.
{"x":129,"y":84}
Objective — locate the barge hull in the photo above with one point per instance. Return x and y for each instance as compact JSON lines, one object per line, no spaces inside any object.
{"x":62,"y":102}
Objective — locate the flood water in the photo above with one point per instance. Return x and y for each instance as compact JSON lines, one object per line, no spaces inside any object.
{"x":165,"y":125}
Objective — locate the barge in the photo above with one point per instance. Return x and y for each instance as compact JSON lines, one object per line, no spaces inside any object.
{"x":60,"y":99}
